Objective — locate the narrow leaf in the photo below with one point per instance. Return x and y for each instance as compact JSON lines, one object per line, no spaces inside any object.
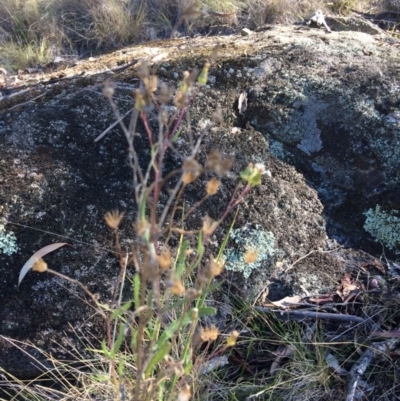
{"x":122,"y":309}
{"x":182,"y":258}
{"x":136,"y":290}
{"x":207,"y":311}
{"x":157,"y":358}
{"x":37,"y":255}
{"x":172,"y":328}
{"x":118,"y":342}
{"x":105,"y":349}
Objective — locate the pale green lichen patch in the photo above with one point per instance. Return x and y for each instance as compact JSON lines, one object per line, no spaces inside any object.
{"x":247,"y":240}
{"x":8,"y":241}
{"x":383,"y":226}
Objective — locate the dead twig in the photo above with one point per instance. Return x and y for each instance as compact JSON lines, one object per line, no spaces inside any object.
{"x":29,"y":101}
{"x":362,"y":364}
{"x":313,"y":315}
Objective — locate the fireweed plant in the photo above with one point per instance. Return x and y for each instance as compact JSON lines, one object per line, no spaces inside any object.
{"x":153,"y":339}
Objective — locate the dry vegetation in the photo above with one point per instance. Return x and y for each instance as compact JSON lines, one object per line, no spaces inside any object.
{"x":33,"y":32}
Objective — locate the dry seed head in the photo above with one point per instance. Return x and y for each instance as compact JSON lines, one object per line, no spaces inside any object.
{"x":143,"y":71}
{"x":216,"y":163}
{"x":150,"y":83}
{"x":212,"y":186}
{"x":164,"y":260}
{"x":180,"y":99}
{"x":140,"y":102}
{"x":231,"y":340}
{"x":144,"y":227}
{"x":192,"y":293}
{"x":113,"y":219}
{"x":250,"y":256}
{"x":191,"y":170}
{"x":185,"y":394}
{"x":209,"y":334}
{"x":165,"y":94}
{"x":191,"y":79}
{"x":175,"y":367}
{"x":39,"y":266}
{"x":109,"y":88}
{"x":209,"y":226}
{"x":177,"y":287}
{"x":216,"y":267}
{"x":163,"y":117}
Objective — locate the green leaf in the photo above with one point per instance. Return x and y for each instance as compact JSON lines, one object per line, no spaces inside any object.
{"x":176,"y":136}
{"x":188,"y":366}
{"x":122,"y":309}
{"x":251,"y":176}
{"x":211,"y":287}
{"x":207,"y":311}
{"x":157,"y":358}
{"x":136,"y":290}
{"x":226,"y":239}
{"x":105,"y":349}
{"x":118,"y":342}
{"x":182,"y":258}
{"x":121,"y":365}
{"x":200,"y":245}
{"x":203,"y":77}
{"x":172,"y":328}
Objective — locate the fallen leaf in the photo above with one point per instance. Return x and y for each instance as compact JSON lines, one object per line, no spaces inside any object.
{"x":348,"y":287}
{"x":288,"y":301}
{"x":37,"y":255}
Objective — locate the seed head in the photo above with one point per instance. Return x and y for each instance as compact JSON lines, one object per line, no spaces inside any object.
{"x":109,"y":88}
{"x":185,"y":394}
{"x":39,"y":266}
{"x":165,"y":94}
{"x":216,"y":267}
{"x":212,"y":186}
{"x":191,"y":170}
{"x":177,"y":287}
{"x":113,"y":219}
{"x":144,"y":227}
{"x":150,"y":83}
{"x":180,"y":99}
{"x":164,"y":260}
{"x":216,"y":163}
{"x":231,"y":340}
{"x":209,"y":226}
{"x":209,"y":334}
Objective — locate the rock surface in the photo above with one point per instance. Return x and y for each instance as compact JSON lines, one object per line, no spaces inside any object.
{"x":322,"y":115}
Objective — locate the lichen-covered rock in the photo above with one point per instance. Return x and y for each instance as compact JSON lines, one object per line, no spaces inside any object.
{"x":384,"y":227}
{"x":249,"y":243}
{"x":325,"y":105}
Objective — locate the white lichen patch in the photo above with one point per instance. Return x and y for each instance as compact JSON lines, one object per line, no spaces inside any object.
{"x":249,"y":240}
{"x":383,"y":226}
{"x":8,"y":241}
